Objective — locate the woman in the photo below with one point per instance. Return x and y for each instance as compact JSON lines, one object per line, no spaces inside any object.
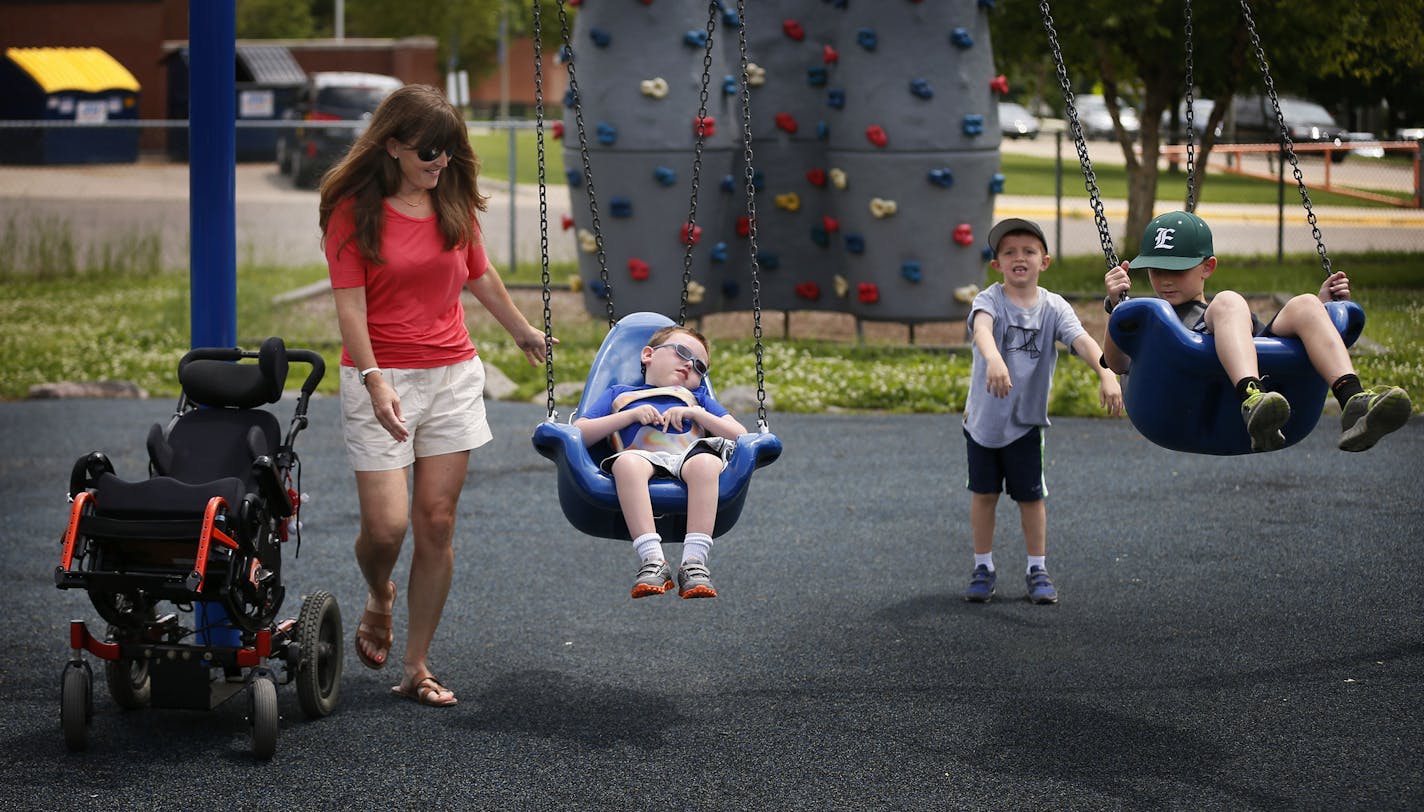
{"x":399,"y":227}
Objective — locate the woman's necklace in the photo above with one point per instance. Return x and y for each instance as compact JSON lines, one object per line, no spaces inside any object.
{"x":417,"y":204}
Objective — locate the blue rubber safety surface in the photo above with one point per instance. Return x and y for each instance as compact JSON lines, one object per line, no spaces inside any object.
{"x":1233,"y":633}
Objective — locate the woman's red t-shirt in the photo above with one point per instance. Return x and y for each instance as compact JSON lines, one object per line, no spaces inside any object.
{"x":413,"y":309}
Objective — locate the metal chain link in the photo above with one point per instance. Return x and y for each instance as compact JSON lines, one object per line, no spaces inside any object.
{"x":1191,"y":202}
{"x":746,"y":93}
{"x":543,"y":212}
{"x":701,"y":140}
{"x":1090,"y":180}
{"x":587,"y":168}
{"x":1287,"y":146}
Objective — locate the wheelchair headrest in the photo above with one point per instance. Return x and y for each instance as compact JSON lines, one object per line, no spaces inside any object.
{"x":210,"y":378}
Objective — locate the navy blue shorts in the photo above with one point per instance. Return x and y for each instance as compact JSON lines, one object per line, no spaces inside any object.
{"x":1017,"y":468}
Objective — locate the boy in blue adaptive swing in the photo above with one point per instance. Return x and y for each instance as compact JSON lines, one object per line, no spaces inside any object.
{"x":670,"y":426}
{"x":1178,"y":255}
{"x":1015,"y":326}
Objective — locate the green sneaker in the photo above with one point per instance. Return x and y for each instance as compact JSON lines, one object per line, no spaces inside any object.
{"x":1265,"y":413}
{"x":1371,"y":415}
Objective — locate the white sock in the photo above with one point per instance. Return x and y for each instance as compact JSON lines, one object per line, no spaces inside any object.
{"x":649,"y":547}
{"x":696,"y":547}
{"x":985,"y":559}
{"x":1035,"y":561}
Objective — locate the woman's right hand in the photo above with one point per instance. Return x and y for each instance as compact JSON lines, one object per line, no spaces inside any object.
{"x":386,"y":404}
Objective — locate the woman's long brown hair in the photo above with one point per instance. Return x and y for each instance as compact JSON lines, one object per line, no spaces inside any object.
{"x":417,"y":116}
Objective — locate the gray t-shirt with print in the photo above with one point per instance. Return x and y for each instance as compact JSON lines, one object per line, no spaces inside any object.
{"x":1027,"y":339}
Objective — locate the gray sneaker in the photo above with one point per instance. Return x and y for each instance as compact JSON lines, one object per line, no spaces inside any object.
{"x":654,"y":578}
{"x":1371,"y":415}
{"x":1264,"y":414}
{"x":694,"y":581}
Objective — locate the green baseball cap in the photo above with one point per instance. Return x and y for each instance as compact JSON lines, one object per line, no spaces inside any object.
{"x":1174,"y":241}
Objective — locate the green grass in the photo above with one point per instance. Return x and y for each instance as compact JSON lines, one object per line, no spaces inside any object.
{"x":493,"y":149}
{"x":103,"y":313}
{"x":1029,"y":175}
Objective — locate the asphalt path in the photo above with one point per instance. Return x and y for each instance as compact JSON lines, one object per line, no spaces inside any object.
{"x":1234,"y":633}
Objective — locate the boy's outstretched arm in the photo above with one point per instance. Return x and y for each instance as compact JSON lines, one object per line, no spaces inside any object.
{"x":996,"y":372}
{"x":1109,"y":390}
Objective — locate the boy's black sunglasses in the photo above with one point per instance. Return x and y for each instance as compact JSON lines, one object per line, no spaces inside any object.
{"x":686,"y":355}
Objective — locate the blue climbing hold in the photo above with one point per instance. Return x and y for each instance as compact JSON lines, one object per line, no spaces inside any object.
{"x":973,"y":124}
{"x":866,"y":38}
{"x":910,"y":269}
{"x":855,"y":243}
{"x":719,"y":252}
{"x":961,"y":38}
{"x":835,"y":98}
{"x":600,"y":37}
{"x":942,"y":178}
{"x":620,"y":207}
{"x":607,"y":134}
{"x":996,"y":183}
{"x":665,"y":176}
{"x":921,"y":88}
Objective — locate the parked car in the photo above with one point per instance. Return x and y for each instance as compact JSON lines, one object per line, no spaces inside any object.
{"x":1201,"y":111}
{"x":1017,"y":122}
{"x":1307,"y":122}
{"x":1097,"y":122}
{"x":307,"y":150}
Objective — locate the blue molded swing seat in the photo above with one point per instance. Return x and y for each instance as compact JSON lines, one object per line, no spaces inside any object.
{"x":1178,"y":396}
{"x":588,"y":496}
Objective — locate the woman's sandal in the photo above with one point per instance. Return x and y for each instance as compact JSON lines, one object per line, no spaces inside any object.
{"x":423,"y":692}
{"x":369,"y":631}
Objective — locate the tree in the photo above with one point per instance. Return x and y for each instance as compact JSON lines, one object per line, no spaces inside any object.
{"x":1137,"y":51}
{"x":275,"y":19}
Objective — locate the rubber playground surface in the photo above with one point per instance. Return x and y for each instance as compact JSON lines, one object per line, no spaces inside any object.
{"x":1234,"y":633}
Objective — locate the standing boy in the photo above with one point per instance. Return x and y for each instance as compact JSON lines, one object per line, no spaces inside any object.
{"x":1014,"y":325}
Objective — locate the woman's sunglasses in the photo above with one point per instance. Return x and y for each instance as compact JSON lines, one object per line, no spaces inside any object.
{"x":686,"y":355}
{"x":428,"y":154}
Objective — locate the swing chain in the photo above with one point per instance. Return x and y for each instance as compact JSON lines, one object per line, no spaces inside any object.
{"x":1287,"y":146}
{"x":601,"y":253}
{"x":1191,"y":202}
{"x":696,"y":181}
{"x":1090,"y":180}
{"x":543,"y":212}
{"x":746,"y":94}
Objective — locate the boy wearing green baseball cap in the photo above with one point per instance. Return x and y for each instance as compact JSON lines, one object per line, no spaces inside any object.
{"x":1178,"y":255}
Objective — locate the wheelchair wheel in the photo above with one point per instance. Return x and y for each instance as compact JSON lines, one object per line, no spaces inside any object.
{"x":76,"y":705}
{"x":320,"y":661}
{"x":262,"y":717}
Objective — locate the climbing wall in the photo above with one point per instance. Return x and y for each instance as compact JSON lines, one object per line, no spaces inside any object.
{"x":875,"y":148}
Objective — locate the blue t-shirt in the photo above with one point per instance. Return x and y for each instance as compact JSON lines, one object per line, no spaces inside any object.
{"x":651,"y":438}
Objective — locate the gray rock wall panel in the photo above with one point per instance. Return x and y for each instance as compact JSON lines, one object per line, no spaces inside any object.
{"x":894,"y":242}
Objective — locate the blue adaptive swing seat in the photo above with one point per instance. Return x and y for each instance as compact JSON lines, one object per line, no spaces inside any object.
{"x":1178,"y":396}
{"x":588,"y":496}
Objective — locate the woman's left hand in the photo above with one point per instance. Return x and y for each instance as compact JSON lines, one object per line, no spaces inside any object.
{"x":532,"y":343}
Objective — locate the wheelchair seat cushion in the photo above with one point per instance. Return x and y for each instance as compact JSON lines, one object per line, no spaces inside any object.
{"x":210,"y":444}
{"x":162,"y":497}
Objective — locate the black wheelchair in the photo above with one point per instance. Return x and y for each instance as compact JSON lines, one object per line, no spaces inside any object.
{"x":204,"y":532}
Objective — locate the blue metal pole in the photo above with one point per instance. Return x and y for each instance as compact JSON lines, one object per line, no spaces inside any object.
{"x":212,"y":173}
{"x":212,"y":211}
